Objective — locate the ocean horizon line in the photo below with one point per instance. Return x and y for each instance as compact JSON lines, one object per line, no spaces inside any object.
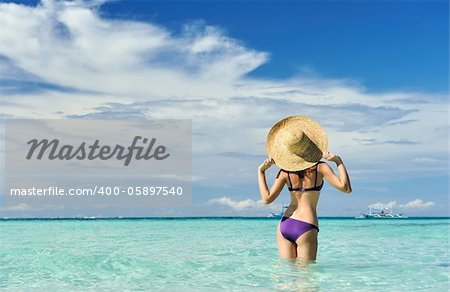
{"x":200,"y":217}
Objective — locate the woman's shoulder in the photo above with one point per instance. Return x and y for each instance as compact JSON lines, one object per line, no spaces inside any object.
{"x":281,"y":173}
{"x":323,"y":166}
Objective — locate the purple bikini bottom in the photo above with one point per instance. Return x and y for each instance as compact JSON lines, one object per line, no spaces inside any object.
{"x":292,"y":229}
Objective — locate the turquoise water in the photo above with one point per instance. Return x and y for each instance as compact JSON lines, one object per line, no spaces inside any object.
{"x":220,"y":254}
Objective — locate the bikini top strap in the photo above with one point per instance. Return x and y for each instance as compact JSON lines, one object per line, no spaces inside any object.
{"x":315,"y":178}
{"x":279,"y":173}
{"x":289,"y":179}
{"x":300,"y":179}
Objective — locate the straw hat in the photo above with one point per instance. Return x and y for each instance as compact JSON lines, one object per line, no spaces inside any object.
{"x":296,"y":143}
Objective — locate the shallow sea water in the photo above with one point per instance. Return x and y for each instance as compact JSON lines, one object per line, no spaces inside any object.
{"x":227,"y":254}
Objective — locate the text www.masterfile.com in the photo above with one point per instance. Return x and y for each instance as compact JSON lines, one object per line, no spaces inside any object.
{"x":99,"y":191}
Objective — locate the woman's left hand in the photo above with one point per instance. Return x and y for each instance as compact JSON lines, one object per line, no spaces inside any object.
{"x":266,"y":164}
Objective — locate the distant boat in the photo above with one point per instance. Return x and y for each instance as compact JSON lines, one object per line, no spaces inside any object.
{"x":386,"y":213}
{"x":278,"y":215}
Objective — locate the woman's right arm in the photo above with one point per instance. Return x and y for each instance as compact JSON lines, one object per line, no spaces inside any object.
{"x":268,"y":196}
{"x":341,"y":181}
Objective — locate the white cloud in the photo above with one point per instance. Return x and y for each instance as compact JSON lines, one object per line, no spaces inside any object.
{"x":238,"y":205}
{"x":133,"y":69}
{"x":417,"y":204}
{"x":27,"y":207}
{"x":189,"y":178}
{"x":425,"y":160}
{"x":389,"y":205}
{"x":19,"y":207}
{"x":69,"y":44}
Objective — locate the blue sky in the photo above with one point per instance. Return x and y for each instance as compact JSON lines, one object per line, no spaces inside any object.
{"x":372,"y":72}
{"x":337,"y":39}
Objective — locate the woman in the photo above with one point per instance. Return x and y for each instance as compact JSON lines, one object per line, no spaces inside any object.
{"x":296,"y":145}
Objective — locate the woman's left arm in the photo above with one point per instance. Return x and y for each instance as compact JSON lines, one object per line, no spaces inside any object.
{"x":268,"y":196}
{"x":341,"y":182}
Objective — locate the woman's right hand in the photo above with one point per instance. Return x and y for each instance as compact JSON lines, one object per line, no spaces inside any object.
{"x":266,"y":164}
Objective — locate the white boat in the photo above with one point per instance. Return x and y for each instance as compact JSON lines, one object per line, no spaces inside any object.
{"x":385,"y":213}
{"x":278,"y":215}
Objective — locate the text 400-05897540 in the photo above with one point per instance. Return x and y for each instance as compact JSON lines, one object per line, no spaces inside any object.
{"x":142,"y":191}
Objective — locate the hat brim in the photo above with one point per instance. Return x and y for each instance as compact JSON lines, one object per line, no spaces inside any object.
{"x":284,"y":158}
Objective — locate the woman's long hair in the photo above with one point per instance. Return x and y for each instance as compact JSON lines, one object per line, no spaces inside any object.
{"x":301,"y":173}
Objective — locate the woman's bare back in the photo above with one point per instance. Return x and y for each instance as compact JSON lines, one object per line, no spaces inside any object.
{"x":303,"y":204}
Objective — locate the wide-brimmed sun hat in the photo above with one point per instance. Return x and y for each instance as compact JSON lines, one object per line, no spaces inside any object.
{"x":296,"y":143}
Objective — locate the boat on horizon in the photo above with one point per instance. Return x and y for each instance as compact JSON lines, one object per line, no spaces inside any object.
{"x":381,"y":213}
{"x":278,"y":215}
